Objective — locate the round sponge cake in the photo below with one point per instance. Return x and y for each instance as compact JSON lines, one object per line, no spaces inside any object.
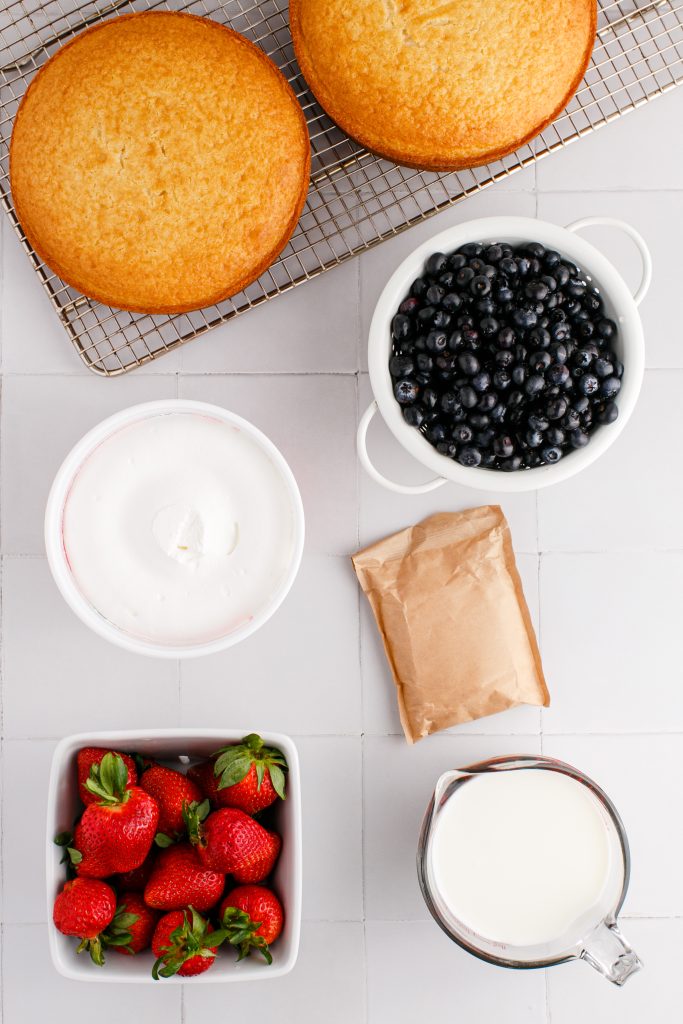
{"x":443,"y":84}
{"x":159,"y":162}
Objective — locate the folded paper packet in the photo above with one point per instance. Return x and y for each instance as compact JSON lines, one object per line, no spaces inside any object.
{"x":451,"y":611}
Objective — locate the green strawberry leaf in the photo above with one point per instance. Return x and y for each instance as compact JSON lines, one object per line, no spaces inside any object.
{"x":75,"y":856}
{"x":277,"y":777}
{"x":164,"y":841}
{"x":63,"y":839}
{"x":108,"y":779}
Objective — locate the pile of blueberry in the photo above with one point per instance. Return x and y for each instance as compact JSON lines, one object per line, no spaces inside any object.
{"x":502,"y":356}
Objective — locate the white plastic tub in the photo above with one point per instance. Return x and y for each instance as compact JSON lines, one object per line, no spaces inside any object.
{"x":620,"y":305}
{"x":59,"y":564}
{"x":176,"y":748}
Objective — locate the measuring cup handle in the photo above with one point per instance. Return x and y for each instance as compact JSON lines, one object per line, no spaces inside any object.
{"x":391,"y":485}
{"x":608,"y":952}
{"x":621,"y":225}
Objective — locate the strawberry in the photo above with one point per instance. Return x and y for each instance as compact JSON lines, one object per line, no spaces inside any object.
{"x":84,"y":908}
{"x":251,"y":776}
{"x":252,"y":916}
{"x":228,"y":840}
{"x":115,"y":834}
{"x":178,"y":879}
{"x":202,"y":775}
{"x":184,"y":944}
{"x":171,"y":790}
{"x":133,"y":925}
{"x":137,"y":879}
{"x":89,"y":756}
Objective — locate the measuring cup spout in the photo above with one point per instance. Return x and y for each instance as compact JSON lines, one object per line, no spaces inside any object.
{"x":608,"y":952}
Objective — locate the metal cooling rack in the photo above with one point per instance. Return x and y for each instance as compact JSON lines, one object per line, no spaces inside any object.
{"x":355,"y":200}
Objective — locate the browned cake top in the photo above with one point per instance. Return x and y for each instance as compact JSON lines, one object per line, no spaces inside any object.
{"x":443,"y":84}
{"x":159,"y":162}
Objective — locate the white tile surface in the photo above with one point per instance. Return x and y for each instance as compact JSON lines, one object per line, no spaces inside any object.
{"x":610,"y":637}
{"x":575,"y":992}
{"x":61,"y":678}
{"x":607,"y":600}
{"x":392,"y":825}
{"x":416,"y":974}
{"x":630,"y":498}
{"x":642,"y":150}
{"x":327,"y":983}
{"x":643,"y":776}
{"x":265,"y":680}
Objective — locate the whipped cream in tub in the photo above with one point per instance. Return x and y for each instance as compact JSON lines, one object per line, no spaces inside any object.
{"x":178,"y":528}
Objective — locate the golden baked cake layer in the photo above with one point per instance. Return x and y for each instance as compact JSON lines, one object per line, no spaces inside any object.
{"x":443,"y":84}
{"x":159,"y":162}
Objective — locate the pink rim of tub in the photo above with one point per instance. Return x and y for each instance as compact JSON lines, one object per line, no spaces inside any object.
{"x":58,"y":561}
{"x":620,"y":305}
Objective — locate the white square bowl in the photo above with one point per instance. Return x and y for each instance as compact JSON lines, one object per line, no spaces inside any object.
{"x":176,"y":748}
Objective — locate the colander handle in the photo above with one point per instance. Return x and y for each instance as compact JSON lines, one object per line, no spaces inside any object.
{"x":621,"y":225}
{"x":361,"y":444}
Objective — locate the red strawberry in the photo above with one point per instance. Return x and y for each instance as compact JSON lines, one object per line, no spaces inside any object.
{"x":84,"y":908}
{"x":179,"y":880}
{"x":137,"y":879}
{"x":182,"y":945}
{"x":253,"y":917}
{"x":89,"y":756}
{"x":230,"y":841}
{"x":250,"y":775}
{"x":133,"y":926}
{"x":171,"y":790}
{"x":202,"y":775}
{"x":115,"y":834}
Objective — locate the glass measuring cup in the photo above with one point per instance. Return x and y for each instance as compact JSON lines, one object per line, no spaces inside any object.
{"x":594,"y":937}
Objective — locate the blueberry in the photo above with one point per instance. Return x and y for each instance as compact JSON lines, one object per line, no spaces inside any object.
{"x":488,"y":326}
{"x":551,"y":454}
{"x":435,"y":294}
{"x":487,"y":402}
{"x":556,"y":409}
{"x":557,"y":374}
{"x":561,"y":275}
{"x":480,"y":285}
{"x":511,"y":465}
{"x":515,"y":399}
{"x":436,"y":432}
{"x":487,"y":459}
{"x":582,"y":404}
{"x":540,"y":361}
{"x":575,"y":287}
{"x":483,"y":438}
{"x":534,"y":385}
{"x":426,"y":315}
{"x":618,"y":368}
{"x":401,"y":326}
{"x":401,"y":366}
{"x":436,"y":263}
{"x":518,"y":375}
{"x":585,"y":329}
{"x":559,"y":331}
{"x":539,"y":338}
{"x":479,"y":420}
{"x":413,"y":415}
{"x":602,"y":367}
{"x":555,"y":435}
{"x":559,"y":352}
{"x":578,"y":439}
{"x":436,"y":341}
{"x":425,"y":363}
{"x":524,"y":318}
{"x":447,"y":279}
{"x":588,"y":384}
{"x":534,"y":249}
{"x":609,"y":413}
{"x":470,"y":249}
{"x":502,"y":379}
{"x":462,"y":433}
{"x":441,"y":318}
{"x":447,"y":448}
{"x":457,"y":261}
{"x":549,"y":281}
{"x":508,"y":266}
{"x":571,"y":420}
{"x":468,"y":397}
{"x":503,"y":446}
{"x":504,"y":358}
{"x":455,"y":341}
{"x":537,"y":422}
{"x":493,"y":253}
{"x":469,"y":456}
{"x":464,"y":276}
{"x":468,"y":363}
{"x":477,"y":264}
{"x":504,"y":294}
{"x":606,"y":329}
{"x":451,"y":302}
{"x":449,"y":402}
{"x":497,"y":414}
{"x":610,"y":387}
{"x":482,"y":381}
{"x":409,"y":305}
{"x":506,"y":337}
{"x":536,"y":290}
{"x":486,"y":306}
{"x":406,"y":392}
{"x":418,"y":287}
{"x":552,"y":259}
{"x":582,"y":358}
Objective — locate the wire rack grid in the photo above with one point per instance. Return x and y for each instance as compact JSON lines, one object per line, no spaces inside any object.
{"x":356,"y":200}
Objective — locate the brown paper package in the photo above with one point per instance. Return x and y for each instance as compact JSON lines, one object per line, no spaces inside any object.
{"x":451,"y":611}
